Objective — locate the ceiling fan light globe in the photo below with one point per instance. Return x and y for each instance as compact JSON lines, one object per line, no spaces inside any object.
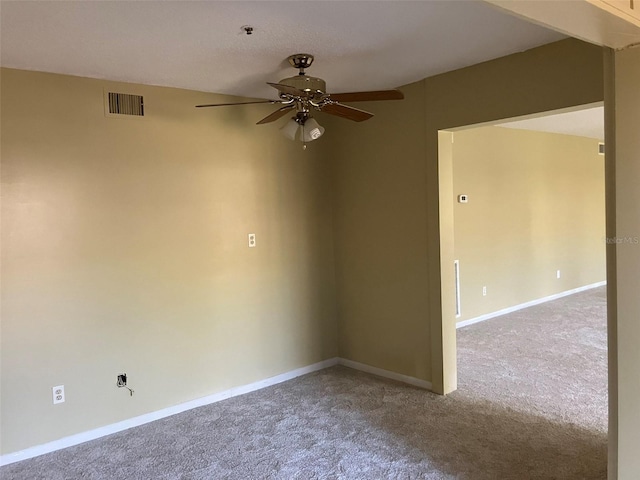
{"x":315,"y":133}
{"x":311,"y":130}
{"x":290,"y":129}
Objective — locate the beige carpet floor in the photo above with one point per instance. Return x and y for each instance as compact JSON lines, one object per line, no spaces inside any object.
{"x":531,"y":404}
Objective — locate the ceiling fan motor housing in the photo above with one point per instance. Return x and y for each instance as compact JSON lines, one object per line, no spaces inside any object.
{"x":306,"y":84}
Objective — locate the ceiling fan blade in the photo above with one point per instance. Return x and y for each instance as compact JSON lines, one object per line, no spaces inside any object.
{"x":288,"y":90}
{"x":236,"y":103}
{"x":344,"y":111}
{"x":281,"y":112}
{"x":367,"y":96}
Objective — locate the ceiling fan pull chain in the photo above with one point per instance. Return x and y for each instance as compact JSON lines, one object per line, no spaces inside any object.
{"x":304,"y":142}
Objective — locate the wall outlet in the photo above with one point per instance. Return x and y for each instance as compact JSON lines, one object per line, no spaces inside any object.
{"x":484,"y":291}
{"x":252,"y":240}
{"x":58,"y":394}
{"x":557,"y":273}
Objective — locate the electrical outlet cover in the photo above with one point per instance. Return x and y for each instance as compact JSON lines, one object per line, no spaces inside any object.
{"x":58,"y":394}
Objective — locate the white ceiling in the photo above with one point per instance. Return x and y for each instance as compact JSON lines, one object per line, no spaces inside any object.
{"x":583,"y":123}
{"x":200,"y":45}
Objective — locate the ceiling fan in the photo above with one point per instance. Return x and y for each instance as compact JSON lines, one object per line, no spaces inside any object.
{"x":301,"y":94}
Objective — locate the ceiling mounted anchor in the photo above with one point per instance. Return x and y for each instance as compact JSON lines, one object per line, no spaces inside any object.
{"x":301,"y":61}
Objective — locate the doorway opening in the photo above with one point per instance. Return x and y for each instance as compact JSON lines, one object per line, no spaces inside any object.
{"x":523,"y":227}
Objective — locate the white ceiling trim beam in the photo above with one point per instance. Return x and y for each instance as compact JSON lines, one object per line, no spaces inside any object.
{"x":602,"y":22}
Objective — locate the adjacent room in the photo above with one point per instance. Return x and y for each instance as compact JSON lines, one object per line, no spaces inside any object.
{"x":529,"y":233}
{"x":186,"y":294}
{"x":529,"y":212}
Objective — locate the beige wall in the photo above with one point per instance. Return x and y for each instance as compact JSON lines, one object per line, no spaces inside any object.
{"x":380,"y":236}
{"x":124,"y":249}
{"x":536,"y":205}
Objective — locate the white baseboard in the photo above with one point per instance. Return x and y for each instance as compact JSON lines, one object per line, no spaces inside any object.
{"x":165,"y":412}
{"x":504,"y":311}
{"x":385,"y":373}
{"x":199,"y":402}
{"x":233,"y":392}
